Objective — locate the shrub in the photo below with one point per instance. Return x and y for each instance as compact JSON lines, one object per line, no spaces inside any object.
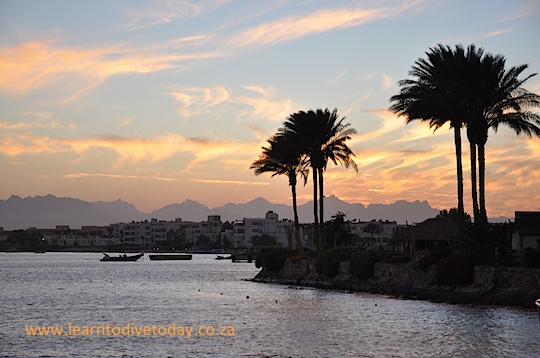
{"x":300,"y":257}
{"x":362,"y":263}
{"x":425,"y":261}
{"x":531,"y":257}
{"x":328,"y":261}
{"x":455,"y":270}
{"x":273,"y":259}
{"x":400,"y":259}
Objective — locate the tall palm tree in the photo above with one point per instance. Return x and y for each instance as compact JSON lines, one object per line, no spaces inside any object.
{"x":427,"y":99}
{"x":282,"y":157}
{"x":323,"y":137}
{"x":473,"y":88}
{"x":496,"y":97}
{"x":334,"y":149}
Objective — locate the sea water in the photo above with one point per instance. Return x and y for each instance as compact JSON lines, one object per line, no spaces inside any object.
{"x":147,"y":309}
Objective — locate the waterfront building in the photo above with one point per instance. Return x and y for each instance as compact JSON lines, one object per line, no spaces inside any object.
{"x":245,"y":230}
{"x":376,"y":234}
{"x":146,"y":233}
{"x":211,"y":229}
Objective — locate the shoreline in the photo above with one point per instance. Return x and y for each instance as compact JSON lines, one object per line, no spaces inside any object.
{"x":493,"y":286}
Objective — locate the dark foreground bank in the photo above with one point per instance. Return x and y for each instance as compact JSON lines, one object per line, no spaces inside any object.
{"x":506,"y":286}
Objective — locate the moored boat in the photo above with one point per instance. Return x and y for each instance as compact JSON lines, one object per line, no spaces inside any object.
{"x":219,"y":257}
{"x":121,"y":257}
{"x":171,"y":257}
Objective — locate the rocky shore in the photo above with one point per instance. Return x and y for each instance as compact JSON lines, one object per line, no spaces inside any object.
{"x":506,"y":286}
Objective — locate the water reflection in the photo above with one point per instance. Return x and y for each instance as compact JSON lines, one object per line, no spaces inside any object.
{"x":61,"y":288}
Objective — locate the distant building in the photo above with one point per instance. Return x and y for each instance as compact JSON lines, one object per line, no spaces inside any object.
{"x":376,"y":234}
{"x":146,"y":233}
{"x":244,"y":231}
{"x":210,"y":228}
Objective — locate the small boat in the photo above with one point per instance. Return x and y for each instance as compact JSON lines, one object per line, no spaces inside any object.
{"x":121,"y":257}
{"x":219,"y":257}
{"x":39,"y":252}
{"x":171,"y":257}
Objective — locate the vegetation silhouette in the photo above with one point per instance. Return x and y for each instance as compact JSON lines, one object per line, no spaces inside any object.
{"x":282,"y":157}
{"x":322,"y":137}
{"x":464,"y":87}
{"x":308,"y":139}
{"x":467,"y":87}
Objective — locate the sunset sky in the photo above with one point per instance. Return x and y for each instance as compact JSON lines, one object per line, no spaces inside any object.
{"x":155,"y":102}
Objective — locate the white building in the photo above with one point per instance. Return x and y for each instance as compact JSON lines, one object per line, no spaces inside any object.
{"x":210,"y":228}
{"x":376,"y":234}
{"x":244,"y":231}
{"x":78,"y":240}
{"x":146,"y":233}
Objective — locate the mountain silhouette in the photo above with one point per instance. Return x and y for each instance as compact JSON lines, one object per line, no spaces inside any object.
{"x":49,"y":211}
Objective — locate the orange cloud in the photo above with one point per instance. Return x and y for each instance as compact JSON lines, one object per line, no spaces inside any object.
{"x":398,"y":162}
{"x":196,"y":100}
{"x":233,"y":182}
{"x":131,"y":150}
{"x":76,"y":70}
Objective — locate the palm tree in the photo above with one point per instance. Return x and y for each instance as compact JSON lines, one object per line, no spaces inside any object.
{"x":427,"y":99}
{"x":323,"y":137}
{"x":282,"y":157}
{"x":490,"y":95}
{"x":475,"y":89}
{"x":339,"y":229}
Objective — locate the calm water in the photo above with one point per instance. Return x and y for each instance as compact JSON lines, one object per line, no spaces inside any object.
{"x":277,"y":321}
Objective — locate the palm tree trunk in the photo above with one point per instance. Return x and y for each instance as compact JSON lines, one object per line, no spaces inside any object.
{"x":315,"y":212}
{"x":321,"y":209}
{"x":296,"y":221}
{"x":474,"y":185}
{"x":459,"y":170}
{"x":482,"y":184}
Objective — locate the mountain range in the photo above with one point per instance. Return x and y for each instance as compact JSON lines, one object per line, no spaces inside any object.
{"x":49,"y":211}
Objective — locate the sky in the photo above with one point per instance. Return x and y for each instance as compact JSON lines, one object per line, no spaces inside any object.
{"x":156,"y":102}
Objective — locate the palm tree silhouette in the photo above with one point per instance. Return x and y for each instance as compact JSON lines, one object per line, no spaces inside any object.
{"x":322,"y":136}
{"x":427,"y":99}
{"x":495,"y":96}
{"x":465,"y":87}
{"x":282,"y":157}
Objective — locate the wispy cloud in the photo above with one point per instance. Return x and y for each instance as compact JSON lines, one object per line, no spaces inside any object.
{"x":386,"y":81}
{"x":232,"y":182}
{"x":261,"y":101}
{"x":126,"y":121}
{"x":476,"y":37}
{"x":120,"y":176}
{"x":294,"y":27}
{"x":530,"y":8}
{"x":194,"y":100}
{"x":43,"y":121}
{"x":160,"y":12}
{"x":75,"y":71}
{"x":337,"y":78}
{"x":129,"y":151}
{"x":104,"y":175}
